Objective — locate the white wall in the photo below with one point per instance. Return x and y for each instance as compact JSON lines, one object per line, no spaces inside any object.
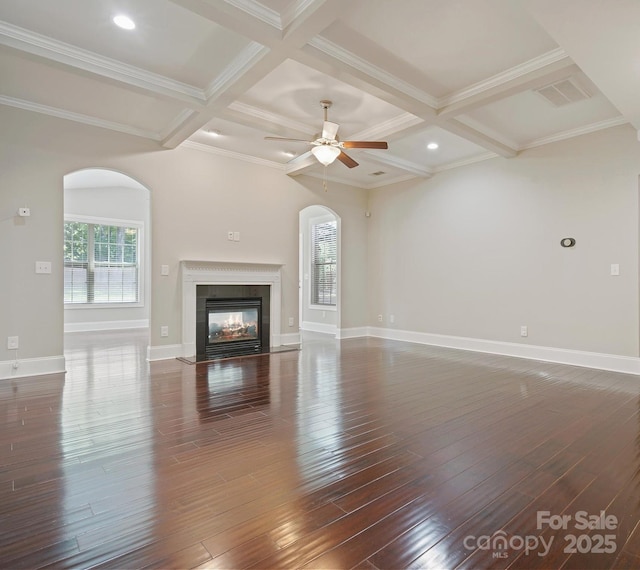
{"x":475,"y":252}
{"x":196,"y":197}
{"x":325,"y":319}
{"x":116,"y":203}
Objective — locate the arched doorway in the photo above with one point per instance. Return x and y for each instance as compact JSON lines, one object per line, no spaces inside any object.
{"x":319,"y":270}
{"x":107,"y":263}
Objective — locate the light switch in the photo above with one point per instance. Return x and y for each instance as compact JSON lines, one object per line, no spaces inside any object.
{"x":615,"y":269}
{"x":236,"y":236}
{"x":164,"y":270}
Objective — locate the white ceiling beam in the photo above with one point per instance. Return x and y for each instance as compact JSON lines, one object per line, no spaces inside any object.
{"x":386,"y":159}
{"x":271,"y":50}
{"x":262,"y":120}
{"x":301,"y":164}
{"x":101,"y":67}
{"x":532,"y":75}
{"x":475,"y":136}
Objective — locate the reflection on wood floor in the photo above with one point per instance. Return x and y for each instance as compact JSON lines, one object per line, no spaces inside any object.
{"x":357,"y":453}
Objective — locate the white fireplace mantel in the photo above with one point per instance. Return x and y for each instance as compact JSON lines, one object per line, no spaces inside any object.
{"x":196,"y":273}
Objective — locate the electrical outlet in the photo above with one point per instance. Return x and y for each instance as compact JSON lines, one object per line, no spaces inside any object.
{"x":379,"y":318}
{"x":13,"y":342}
{"x":524,"y":330}
{"x":230,"y":236}
{"x":164,"y":330}
{"x":43,"y":267}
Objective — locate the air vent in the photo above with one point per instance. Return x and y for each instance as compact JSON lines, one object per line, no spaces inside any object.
{"x":564,"y":92}
{"x":378,"y":173}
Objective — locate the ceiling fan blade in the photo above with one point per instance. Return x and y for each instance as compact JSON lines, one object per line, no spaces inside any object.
{"x":284,"y":139}
{"x":347,"y":160}
{"x":365,"y":144}
{"x":330,"y":130}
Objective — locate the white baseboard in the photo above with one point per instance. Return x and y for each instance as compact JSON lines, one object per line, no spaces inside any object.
{"x":289,"y":338}
{"x":106,"y":325}
{"x":612,"y":362}
{"x":355,"y":332}
{"x":319,"y":328}
{"x":164,"y":352}
{"x":32,"y":367}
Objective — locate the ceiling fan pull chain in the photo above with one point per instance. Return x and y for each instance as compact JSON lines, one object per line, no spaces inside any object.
{"x":324,"y":180}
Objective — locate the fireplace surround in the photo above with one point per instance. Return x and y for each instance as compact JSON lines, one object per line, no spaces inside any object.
{"x":196,"y":273}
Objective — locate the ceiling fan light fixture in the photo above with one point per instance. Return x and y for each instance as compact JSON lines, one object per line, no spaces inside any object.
{"x":433,"y":145}
{"x":325,"y":153}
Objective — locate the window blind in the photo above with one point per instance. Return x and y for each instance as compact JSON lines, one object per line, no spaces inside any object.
{"x":324,"y":256}
{"x":101,"y":263}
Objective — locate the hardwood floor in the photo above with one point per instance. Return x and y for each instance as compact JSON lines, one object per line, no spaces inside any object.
{"x":360,"y":453}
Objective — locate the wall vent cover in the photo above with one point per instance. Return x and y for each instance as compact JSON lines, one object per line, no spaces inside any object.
{"x":564,"y":92}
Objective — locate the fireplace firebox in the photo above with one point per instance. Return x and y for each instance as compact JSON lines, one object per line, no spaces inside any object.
{"x":232,"y":320}
{"x":233,"y":327}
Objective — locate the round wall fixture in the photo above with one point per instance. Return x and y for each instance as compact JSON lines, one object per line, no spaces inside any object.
{"x":567,"y":242}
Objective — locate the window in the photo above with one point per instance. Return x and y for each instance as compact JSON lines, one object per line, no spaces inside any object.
{"x":324,"y":254}
{"x":101,"y":263}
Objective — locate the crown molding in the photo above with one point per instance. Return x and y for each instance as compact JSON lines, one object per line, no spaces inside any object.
{"x":180,"y":119}
{"x":400,"y":163}
{"x":244,"y":61}
{"x":77,"y":117}
{"x":466,"y":161}
{"x":337,"y":52}
{"x":67,"y":54}
{"x":269,"y":117}
{"x":231,"y":154}
{"x":389,"y":127}
{"x":499,"y":79}
{"x":358,"y":184}
{"x":293,"y":12}
{"x":396,"y":180}
{"x":564,"y":135}
{"x":258,"y":11}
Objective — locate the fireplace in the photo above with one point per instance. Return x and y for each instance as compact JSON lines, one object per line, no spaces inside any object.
{"x":202,"y":280}
{"x":232,"y":320}
{"x":233,"y":327}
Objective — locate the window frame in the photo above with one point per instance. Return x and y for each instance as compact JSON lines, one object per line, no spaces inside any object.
{"x":140,"y":262}
{"x":314,"y":222}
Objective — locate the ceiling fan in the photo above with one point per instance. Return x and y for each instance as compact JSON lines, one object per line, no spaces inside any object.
{"x":326,"y":148}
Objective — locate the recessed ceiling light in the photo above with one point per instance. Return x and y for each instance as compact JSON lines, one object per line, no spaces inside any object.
{"x":124,"y":22}
{"x":433,"y":145}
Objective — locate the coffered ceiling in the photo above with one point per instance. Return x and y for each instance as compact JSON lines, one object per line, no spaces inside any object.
{"x":473,"y":76}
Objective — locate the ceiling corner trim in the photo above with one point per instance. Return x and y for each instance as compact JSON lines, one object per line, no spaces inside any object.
{"x":67,"y":54}
{"x":294,"y":11}
{"x":400,"y":163}
{"x":390,"y":127}
{"x":337,"y":52}
{"x":244,"y":61}
{"x":263,"y":115}
{"x":585,"y":130}
{"x":231,"y":154}
{"x":77,"y":117}
{"x":466,"y":161}
{"x":516,"y":72}
{"x":258,"y":11}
